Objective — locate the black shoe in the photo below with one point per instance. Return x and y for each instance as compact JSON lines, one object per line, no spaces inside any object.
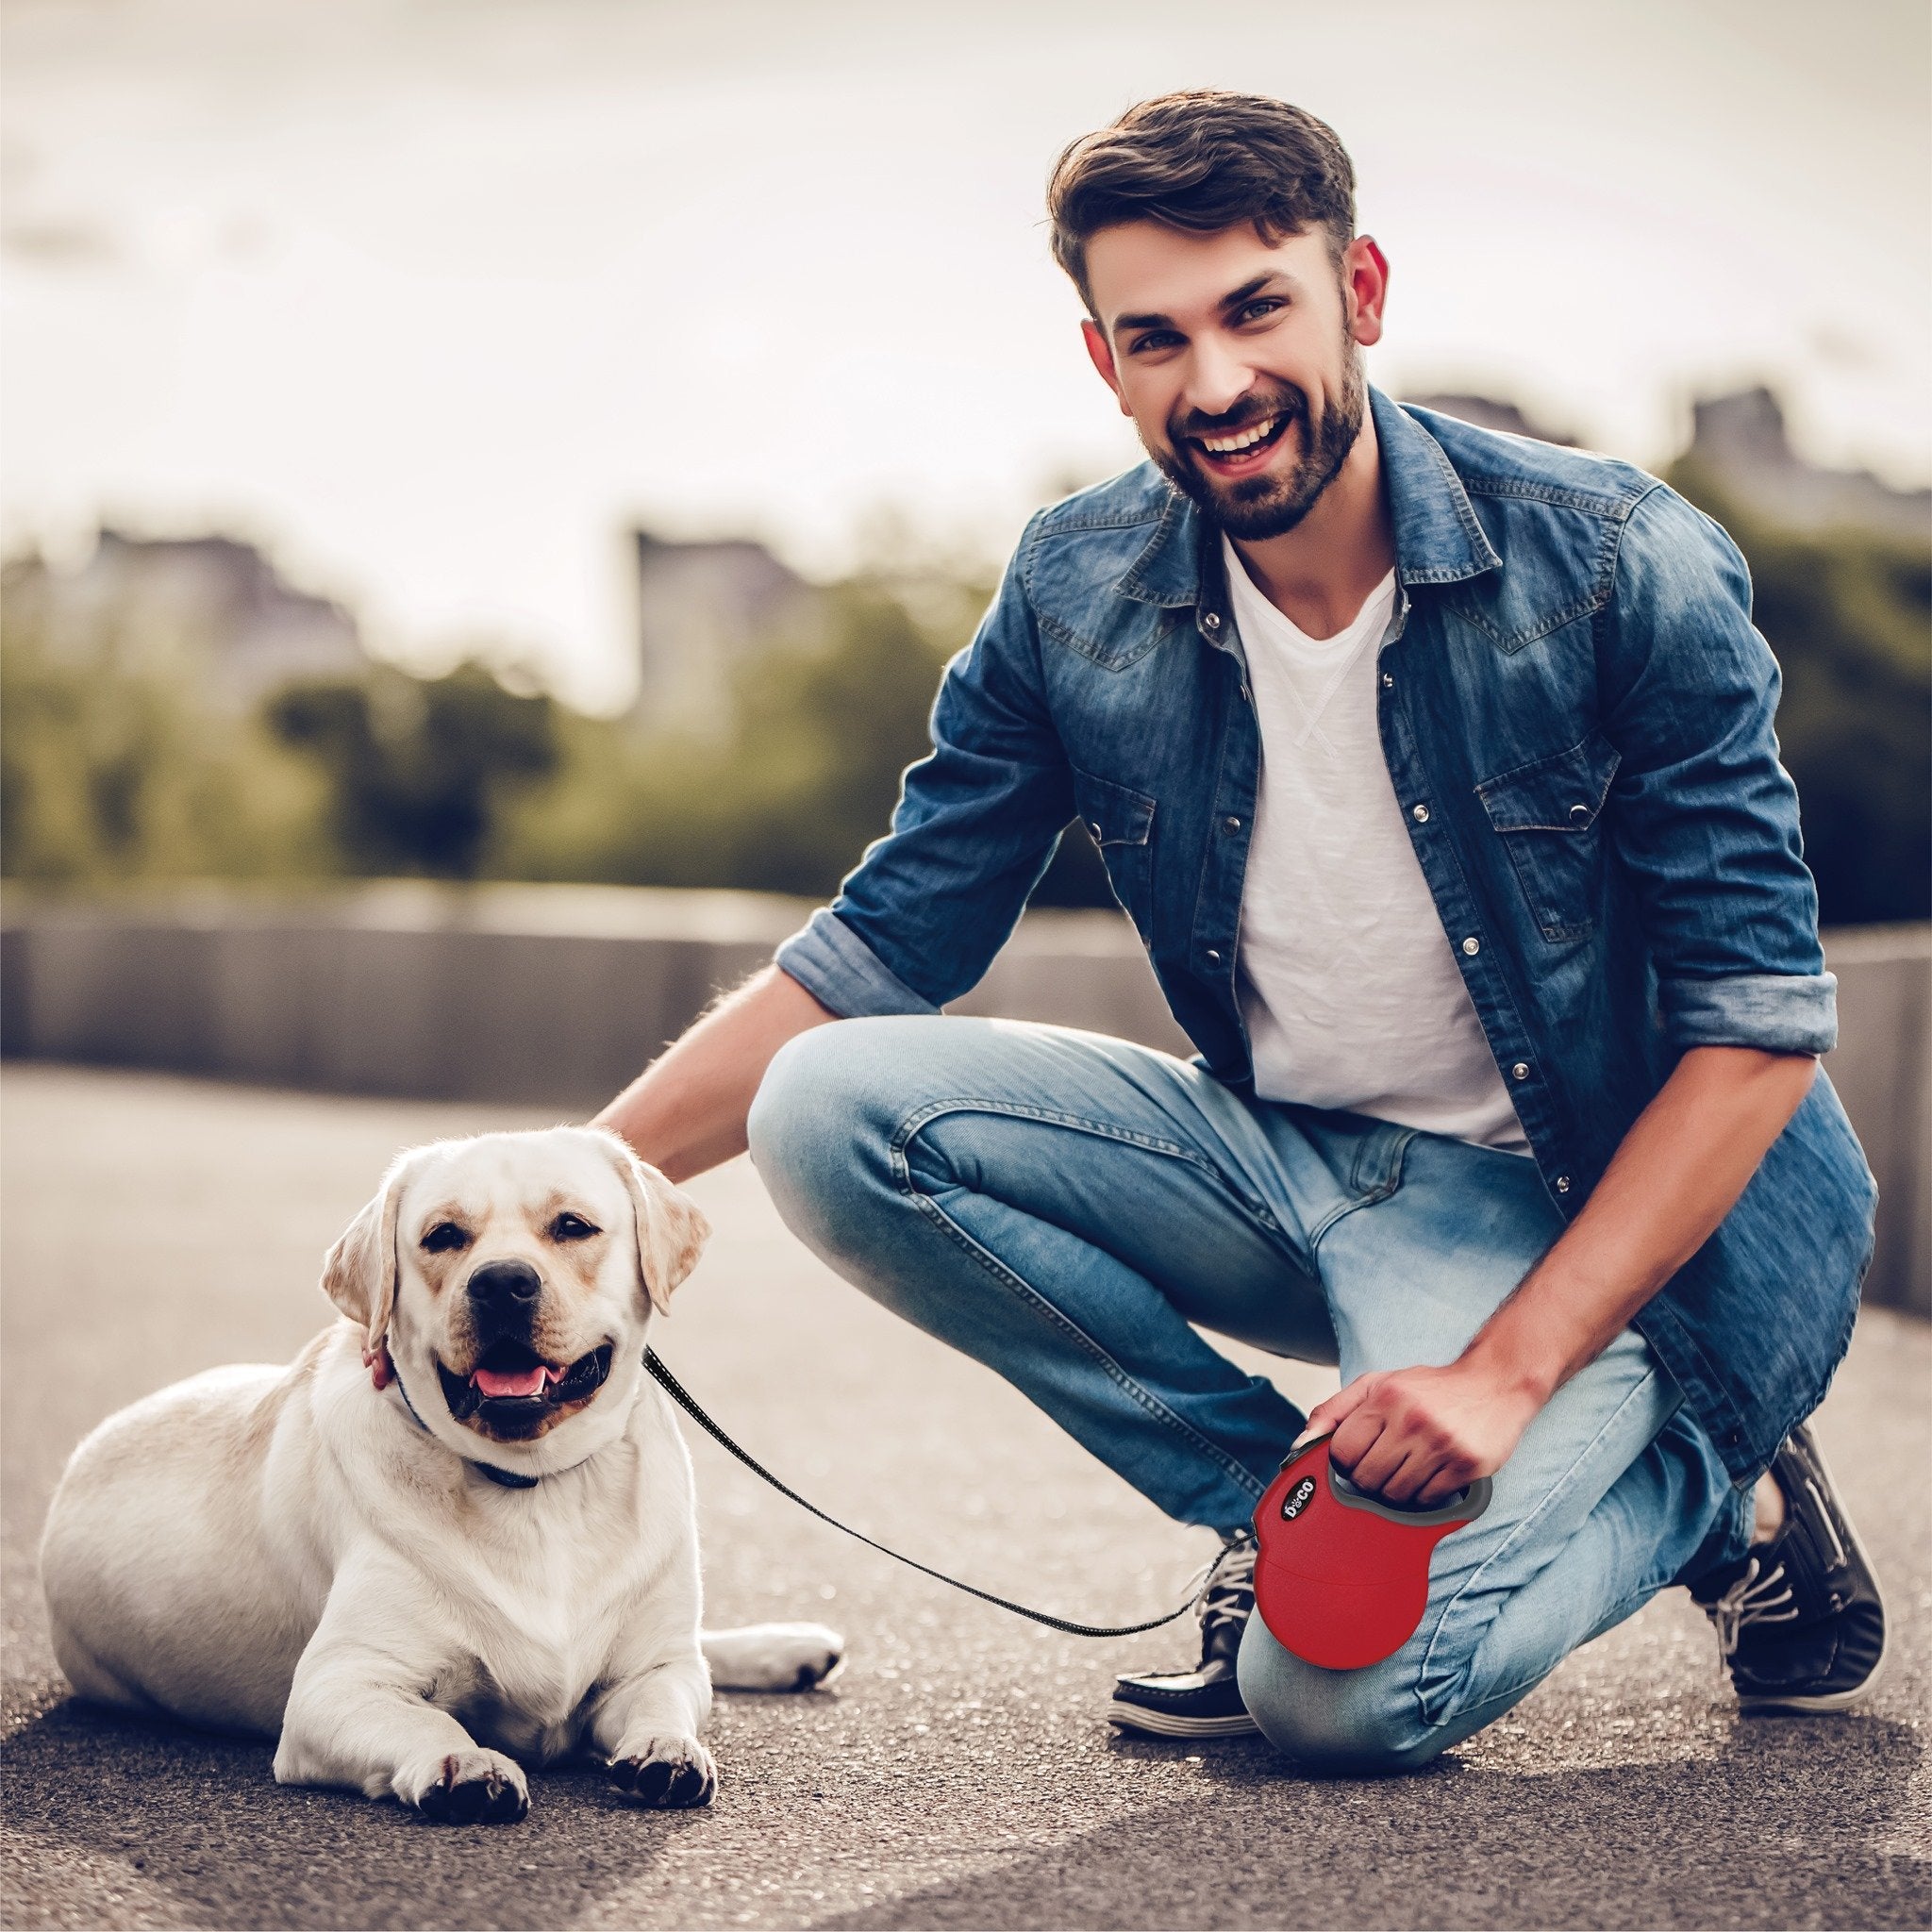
{"x":1203,"y":1702}
{"x":1799,"y":1618}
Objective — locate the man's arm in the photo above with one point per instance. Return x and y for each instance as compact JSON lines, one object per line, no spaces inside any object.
{"x":914,"y":926}
{"x":1422,"y":1434}
{"x":1704,"y":821}
{"x":687,"y":1110}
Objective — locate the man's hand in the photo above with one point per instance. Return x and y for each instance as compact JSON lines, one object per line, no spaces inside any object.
{"x":1417,"y":1436}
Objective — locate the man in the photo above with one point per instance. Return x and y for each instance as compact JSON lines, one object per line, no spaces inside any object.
{"x":1436,"y":770}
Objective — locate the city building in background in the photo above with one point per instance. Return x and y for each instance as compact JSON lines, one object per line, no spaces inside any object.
{"x":704,"y":611}
{"x":1739,"y":443}
{"x":212,"y":610}
{"x":1740,"y":446}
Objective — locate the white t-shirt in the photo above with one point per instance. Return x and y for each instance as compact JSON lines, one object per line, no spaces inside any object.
{"x":1348,"y":987}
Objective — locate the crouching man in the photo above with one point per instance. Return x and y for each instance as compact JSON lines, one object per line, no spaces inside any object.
{"x":1436,"y":770}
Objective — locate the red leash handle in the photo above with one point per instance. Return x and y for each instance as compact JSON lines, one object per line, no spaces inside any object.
{"x":1342,"y":1578}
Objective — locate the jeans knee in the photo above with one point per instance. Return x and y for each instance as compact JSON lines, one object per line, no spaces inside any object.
{"x":800,"y":1127}
{"x":819,"y":1129}
{"x":1336,"y":1723}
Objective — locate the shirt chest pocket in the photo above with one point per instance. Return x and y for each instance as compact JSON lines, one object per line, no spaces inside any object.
{"x":1120,"y":821}
{"x":1547,"y":817}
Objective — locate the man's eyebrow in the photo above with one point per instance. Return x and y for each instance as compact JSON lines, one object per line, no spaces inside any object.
{"x":1233,"y":299}
{"x":1249,"y":289}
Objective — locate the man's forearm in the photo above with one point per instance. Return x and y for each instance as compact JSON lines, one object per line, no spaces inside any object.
{"x":687,"y":1110}
{"x":1677,"y":1173}
{"x":1420,"y":1434}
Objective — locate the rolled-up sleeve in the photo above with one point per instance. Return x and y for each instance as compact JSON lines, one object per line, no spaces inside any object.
{"x":1706,"y":816}
{"x":841,"y":972}
{"x":1781,"y":1012}
{"x":920,"y":919}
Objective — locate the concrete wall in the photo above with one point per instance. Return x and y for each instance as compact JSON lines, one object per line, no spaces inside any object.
{"x":561,"y":994}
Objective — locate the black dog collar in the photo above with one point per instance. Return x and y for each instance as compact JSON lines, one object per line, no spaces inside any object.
{"x":504,"y":1478}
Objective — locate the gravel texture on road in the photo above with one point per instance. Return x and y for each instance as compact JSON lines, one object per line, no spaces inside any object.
{"x":960,"y":1772}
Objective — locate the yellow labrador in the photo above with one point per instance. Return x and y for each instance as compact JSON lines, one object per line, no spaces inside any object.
{"x":491,"y":1556}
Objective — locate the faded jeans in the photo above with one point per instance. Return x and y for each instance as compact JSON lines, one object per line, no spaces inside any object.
{"x":1070,"y":1210}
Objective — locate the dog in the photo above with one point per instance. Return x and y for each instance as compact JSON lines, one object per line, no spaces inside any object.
{"x":458,"y":1533}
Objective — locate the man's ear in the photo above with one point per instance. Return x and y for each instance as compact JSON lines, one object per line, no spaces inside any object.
{"x":359,"y":1273}
{"x":671,"y":1232}
{"x":1100,"y":353}
{"x":1364,"y":288}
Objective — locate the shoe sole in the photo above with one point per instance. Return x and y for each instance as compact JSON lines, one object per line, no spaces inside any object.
{"x":1797,"y":1704}
{"x":1173,"y":1724}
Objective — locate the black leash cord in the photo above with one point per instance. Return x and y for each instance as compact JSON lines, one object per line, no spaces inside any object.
{"x":676,"y":1389}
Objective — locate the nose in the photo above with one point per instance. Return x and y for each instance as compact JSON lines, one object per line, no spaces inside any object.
{"x":502,"y":1288}
{"x":1216,"y":379}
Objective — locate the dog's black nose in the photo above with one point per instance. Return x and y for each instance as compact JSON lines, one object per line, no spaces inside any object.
{"x":503,"y":1285}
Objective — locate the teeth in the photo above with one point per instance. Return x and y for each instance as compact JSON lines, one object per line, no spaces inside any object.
{"x":1243,"y":439}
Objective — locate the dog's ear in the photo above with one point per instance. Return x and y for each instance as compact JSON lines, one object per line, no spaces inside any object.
{"x":358,"y":1273}
{"x":672,"y":1232}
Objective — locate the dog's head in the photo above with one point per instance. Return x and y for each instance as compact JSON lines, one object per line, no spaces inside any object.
{"x":511,"y":1278}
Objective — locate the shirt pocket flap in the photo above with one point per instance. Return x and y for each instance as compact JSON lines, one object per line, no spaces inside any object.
{"x":1113,"y":814}
{"x":1561,"y":794}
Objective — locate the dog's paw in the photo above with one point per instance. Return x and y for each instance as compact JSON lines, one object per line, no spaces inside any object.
{"x":467,"y":1788}
{"x":773,"y":1656}
{"x":668,"y":1773}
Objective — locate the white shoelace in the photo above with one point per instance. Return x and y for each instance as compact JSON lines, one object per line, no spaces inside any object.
{"x":1749,"y":1600}
{"x":1230,"y":1587}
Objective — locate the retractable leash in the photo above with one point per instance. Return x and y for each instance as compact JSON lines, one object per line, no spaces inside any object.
{"x":1342,"y":1578}
{"x":676,"y":1389}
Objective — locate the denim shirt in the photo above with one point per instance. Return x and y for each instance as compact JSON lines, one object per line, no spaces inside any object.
{"x":1577,"y":715}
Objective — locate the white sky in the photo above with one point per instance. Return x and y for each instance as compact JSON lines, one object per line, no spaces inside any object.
{"x":433,"y":296}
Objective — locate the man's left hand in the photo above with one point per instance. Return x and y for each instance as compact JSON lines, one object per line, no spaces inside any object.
{"x":1417,"y":1436}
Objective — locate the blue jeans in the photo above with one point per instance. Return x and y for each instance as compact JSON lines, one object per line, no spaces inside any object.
{"x":1069,"y":1208}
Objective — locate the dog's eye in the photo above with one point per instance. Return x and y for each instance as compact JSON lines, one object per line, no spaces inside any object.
{"x":444,"y":1236}
{"x":571,"y":1227}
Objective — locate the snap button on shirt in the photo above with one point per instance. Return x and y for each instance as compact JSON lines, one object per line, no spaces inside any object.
{"x":1347,"y":983}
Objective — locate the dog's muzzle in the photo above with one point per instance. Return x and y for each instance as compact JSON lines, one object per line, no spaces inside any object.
{"x":512,"y":1391}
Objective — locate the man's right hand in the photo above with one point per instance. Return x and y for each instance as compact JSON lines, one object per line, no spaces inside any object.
{"x":687,"y":1110}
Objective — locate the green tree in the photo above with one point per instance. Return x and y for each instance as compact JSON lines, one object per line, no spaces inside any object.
{"x":1848,"y":614}
{"x":420,"y":772}
{"x":113,"y":769}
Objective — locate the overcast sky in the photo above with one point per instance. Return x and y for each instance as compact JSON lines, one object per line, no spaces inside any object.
{"x":434,"y":296}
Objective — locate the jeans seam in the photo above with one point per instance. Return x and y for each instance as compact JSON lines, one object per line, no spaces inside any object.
{"x":1557,"y":1490}
{"x":1381,"y":1192}
{"x":922,"y":1116}
{"x":1011,"y":1281}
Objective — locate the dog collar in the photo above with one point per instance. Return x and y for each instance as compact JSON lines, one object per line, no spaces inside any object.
{"x":504,"y":1478}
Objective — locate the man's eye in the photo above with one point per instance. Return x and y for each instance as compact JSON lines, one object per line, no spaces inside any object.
{"x":572,"y":1228}
{"x":1260,"y":306}
{"x":1156,"y":339}
{"x":444,"y":1236}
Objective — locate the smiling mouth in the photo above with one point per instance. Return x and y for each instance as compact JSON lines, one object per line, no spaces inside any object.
{"x":513,"y":1392}
{"x":1236,"y":449}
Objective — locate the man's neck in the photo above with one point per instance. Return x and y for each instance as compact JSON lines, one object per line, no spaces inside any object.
{"x":1320,"y":574}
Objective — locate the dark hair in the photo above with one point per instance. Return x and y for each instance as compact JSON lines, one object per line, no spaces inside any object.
{"x":1202,"y":161}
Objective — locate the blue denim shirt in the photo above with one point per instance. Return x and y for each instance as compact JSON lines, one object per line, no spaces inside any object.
{"x":1576,"y":714}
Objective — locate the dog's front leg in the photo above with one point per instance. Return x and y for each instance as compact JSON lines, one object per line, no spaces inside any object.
{"x":359,"y":1714}
{"x":646,"y":1728}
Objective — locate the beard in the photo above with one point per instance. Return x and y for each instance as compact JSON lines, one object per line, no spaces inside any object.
{"x":1270,"y":505}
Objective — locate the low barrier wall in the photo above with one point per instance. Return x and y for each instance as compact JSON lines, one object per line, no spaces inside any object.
{"x":542,"y":993}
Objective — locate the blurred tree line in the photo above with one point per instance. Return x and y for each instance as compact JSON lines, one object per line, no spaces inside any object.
{"x":116,"y":769}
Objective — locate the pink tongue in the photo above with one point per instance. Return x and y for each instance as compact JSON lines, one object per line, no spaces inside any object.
{"x":525,"y":1382}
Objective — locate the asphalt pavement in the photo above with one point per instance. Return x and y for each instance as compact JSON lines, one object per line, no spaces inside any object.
{"x":960,"y":1772}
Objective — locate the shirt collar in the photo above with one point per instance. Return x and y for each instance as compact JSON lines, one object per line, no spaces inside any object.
{"x":1438,"y":539}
